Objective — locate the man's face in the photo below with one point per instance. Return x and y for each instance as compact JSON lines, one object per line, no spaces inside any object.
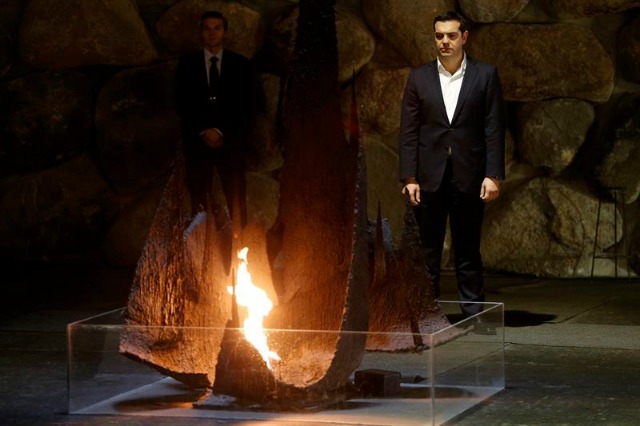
{"x":449,"y":39}
{"x":212,"y":32}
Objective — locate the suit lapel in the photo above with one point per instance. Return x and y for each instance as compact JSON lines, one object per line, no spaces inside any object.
{"x":470,"y":74}
{"x":202,"y":66}
{"x":223,"y":64}
{"x":436,"y":89}
{"x":226,"y":64}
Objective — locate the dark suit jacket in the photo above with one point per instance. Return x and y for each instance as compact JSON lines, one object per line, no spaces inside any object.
{"x":475,"y":135}
{"x":233,"y":112}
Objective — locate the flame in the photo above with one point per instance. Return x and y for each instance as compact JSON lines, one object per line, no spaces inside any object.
{"x":258,"y":306}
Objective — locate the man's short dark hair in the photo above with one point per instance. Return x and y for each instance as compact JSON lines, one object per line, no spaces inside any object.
{"x":216,"y":15}
{"x":451,"y":15}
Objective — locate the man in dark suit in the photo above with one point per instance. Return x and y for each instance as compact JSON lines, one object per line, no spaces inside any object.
{"x":214,"y":92}
{"x":452,"y":153}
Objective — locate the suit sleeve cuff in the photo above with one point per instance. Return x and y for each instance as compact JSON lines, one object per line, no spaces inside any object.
{"x":407,"y":181}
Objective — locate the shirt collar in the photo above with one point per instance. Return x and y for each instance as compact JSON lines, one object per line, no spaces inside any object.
{"x":208,"y":55}
{"x":463,"y":66}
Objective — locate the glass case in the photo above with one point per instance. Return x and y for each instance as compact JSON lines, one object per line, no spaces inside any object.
{"x":457,"y":368}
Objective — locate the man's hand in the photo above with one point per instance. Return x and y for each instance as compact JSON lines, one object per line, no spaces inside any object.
{"x":412,"y":190}
{"x":212,"y":138}
{"x":490,"y":189}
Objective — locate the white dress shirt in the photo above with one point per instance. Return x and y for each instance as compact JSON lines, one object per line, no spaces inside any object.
{"x":451,"y":84}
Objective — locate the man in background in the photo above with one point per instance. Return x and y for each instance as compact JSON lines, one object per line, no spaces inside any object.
{"x":214,"y":97}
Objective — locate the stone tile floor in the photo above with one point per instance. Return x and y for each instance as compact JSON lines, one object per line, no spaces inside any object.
{"x":572,"y":348}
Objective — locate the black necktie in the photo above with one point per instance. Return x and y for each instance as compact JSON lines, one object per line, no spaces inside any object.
{"x":214,"y":77}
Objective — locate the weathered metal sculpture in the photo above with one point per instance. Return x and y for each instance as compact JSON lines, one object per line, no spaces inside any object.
{"x":317,"y":261}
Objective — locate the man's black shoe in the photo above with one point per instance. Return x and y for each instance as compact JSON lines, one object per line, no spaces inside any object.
{"x":480,"y":326}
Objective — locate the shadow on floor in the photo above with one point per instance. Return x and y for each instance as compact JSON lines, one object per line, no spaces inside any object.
{"x":513,"y":318}
{"x":526,"y":318}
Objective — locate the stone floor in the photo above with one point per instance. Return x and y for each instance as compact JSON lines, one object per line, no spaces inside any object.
{"x":572,"y":348}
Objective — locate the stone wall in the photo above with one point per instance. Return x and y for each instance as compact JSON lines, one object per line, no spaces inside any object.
{"x":88,"y":128}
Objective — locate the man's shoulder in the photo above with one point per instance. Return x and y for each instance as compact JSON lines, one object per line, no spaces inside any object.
{"x":234,"y":56}
{"x":480,"y":64}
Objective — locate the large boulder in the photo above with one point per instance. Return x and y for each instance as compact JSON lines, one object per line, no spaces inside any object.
{"x":73,"y":33}
{"x":123,"y":242}
{"x":545,"y":228}
{"x":551,"y":132}
{"x":408,"y":25}
{"x":137,"y":128}
{"x":531,"y":70}
{"x":492,"y":10}
{"x":386,"y":55}
{"x":10,"y":14}
{"x":356,"y":44}
{"x":46,"y":118}
{"x":629,"y":50}
{"x":634,"y":241}
{"x":57,"y":213}
{"x":379,"y":94}
{"x":572,"y":9}
{"x":179,"y":26}
{"x":618,"y":142}
{"x":151,"y":10}
{"x":6,"y":51}
{"x":266,"y":144}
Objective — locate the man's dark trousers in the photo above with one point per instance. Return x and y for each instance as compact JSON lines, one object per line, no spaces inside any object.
{"x":465,"y":212}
